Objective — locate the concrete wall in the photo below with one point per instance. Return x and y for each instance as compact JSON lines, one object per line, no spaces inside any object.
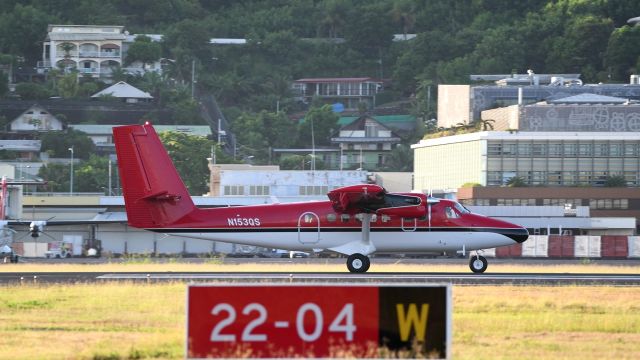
{"x":505,"y":118}
{"x":449,"y":166}
{"x":454,"y":105}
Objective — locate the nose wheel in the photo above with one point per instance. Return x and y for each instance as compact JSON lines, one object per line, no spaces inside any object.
{"x":358,"y":263}
{"x":478,"y":264}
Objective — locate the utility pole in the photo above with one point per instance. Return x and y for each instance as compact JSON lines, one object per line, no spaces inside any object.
{"x":193,"y":77}
{"x":71,"y":174}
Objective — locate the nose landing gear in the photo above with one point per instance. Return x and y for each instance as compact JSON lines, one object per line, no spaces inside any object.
{"x":478,"y":263}
{"x":358,"y":263}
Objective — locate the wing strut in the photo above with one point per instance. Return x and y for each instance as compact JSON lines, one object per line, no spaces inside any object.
{"x":364,"y":246}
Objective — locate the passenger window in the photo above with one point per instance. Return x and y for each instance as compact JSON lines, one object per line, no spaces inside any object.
{"x":308,"y":218}
{"x":451,"y":214}
{"x":345,"y":218}
{"x":331,"y":217}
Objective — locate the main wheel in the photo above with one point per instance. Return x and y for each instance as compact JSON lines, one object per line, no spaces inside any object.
{"x":478,"y":264}
{"x":358,"y":263}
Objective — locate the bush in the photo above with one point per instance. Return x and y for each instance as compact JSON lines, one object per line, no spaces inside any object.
{"x":32,"y":91}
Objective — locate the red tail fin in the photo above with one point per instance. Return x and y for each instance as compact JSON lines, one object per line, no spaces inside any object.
{"x":154,"y":194}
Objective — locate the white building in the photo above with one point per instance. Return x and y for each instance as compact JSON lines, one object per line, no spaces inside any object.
{"x":242,"y":179}
{"x":94,"y":50}
{"x":539,"y":158}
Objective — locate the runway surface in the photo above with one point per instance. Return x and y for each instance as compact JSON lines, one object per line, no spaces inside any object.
{"x":543,"y":279}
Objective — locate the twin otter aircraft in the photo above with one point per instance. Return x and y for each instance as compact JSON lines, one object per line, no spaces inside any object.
{"x":357,"y":220}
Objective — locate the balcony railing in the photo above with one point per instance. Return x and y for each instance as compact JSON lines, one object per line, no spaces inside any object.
{"x":100,"y":54}
{"x":88,"y":70}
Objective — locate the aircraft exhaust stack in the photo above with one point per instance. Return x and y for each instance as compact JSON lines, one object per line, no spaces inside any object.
{"x":154,"y":193}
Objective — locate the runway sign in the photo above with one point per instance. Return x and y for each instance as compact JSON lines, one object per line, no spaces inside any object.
{"x":328,"y":321}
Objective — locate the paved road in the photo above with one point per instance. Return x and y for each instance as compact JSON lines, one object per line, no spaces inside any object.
{"x":543,"y":279}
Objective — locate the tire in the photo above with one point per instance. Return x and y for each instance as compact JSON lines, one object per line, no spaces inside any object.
{"x":478,"y":264}
{"x":358,"y":263}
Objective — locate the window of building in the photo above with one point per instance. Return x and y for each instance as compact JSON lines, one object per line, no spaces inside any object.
{"x":494,"y":149}
{"x":616,"y":149}
{"x":313,"y":190}
{"x":258,"y":190}
{"x":524,"y":149}
{"x":234,"y":190}
{"x":539,"y":150}
{"x":585,"y":150}
{"x":630,"y":150}
{"x":608,"y":204}
{"x":570,"y":149}
{"x":601,"y":149}
{"x":554,"y":149}
{"x":509,"y":149}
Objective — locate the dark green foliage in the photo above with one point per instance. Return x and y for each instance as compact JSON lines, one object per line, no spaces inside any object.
{"x":32,"y":91}
{"x":616,"y":181}
{"x":516,"y":181}
{"x":57,"y":144}
{"x":189,"y":154}
{"x":143,"y":50}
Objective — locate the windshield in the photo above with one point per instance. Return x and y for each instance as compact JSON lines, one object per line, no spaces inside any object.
{"x":461,"y":209}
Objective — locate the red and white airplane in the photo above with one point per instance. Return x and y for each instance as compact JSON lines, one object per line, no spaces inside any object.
{"x":356,"y":221}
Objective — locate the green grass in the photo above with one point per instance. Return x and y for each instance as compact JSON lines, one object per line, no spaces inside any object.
{"x":141,"y":263}
{"x":139,"y":321}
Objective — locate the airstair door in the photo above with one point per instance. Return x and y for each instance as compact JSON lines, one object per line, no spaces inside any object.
{"x":308,"y":228}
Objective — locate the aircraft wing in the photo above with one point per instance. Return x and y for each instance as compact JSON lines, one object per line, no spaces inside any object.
{"x":367,"y":198}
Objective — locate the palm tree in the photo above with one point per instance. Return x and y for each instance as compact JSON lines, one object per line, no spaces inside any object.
{"x":516,"y":181}
{"x":404,"y":12}
{"x":485,"y":125}
{"x":335,"y":11}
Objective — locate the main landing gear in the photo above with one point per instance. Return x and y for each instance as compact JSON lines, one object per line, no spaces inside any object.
{"x":358,"y":263}
{"x":478,"y":263}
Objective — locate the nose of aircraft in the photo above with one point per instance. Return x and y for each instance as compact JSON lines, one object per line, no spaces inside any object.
{"x":518,"y":235}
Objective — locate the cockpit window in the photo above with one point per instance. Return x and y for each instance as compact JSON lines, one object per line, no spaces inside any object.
{"x":451,"y":214}
{"x":461,"y":209}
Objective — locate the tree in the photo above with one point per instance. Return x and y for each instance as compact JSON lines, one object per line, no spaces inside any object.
{"x":56,"y":176}
{"x":259,"y":132}
{"x":621,"y":54}
{"x":319,"y":121}
{"x":189,"y":154}
{"x":143,"y":49}
{"x":22,"y":30}
{"x":57,"y":144}
{"x":300,"y":162}
{"x":4,"y":84}
{"x":32,"y":91}
{"x":93,"y":175}
{"x":516,"y":181}
{"x":616,"y":181}
{"x":68,"y":85}
{"x":404,"y":13}
{"x":335,"y":15}
{"x":400,"y":159}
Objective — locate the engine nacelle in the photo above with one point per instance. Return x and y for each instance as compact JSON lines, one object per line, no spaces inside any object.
{"x":405,"y":212}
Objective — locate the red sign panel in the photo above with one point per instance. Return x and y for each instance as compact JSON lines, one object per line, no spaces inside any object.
{"x":280,"y":321}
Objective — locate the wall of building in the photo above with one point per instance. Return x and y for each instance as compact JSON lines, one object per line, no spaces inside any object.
{"x":449,"y":165}
{"x":454,"y":105}
{"x":610,"y":118}
{"x":504,"y":118}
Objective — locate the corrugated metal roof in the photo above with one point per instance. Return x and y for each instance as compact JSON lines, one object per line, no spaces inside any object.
{"x":587,"y":98}
{"x":388,"y":120}
{"x":85,"y":37}
{"x":123,"y":90}
{"x":199,"y":130}
{"x":333,"y":80}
